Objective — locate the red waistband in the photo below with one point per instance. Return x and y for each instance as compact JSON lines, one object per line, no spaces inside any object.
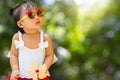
{"x":47,"y":78}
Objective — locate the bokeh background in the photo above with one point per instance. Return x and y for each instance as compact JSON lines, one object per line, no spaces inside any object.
{"x":85,"y":34}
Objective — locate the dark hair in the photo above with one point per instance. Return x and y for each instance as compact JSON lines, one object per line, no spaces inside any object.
{"x":16,"y":11}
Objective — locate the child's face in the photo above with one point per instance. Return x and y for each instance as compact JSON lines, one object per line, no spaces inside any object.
{"x":31,"y":18}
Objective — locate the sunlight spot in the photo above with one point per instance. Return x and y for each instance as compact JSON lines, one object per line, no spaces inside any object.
{"x":63,"y":52}
{"x":3,"y":77}
{"x":88,"y":66}
{"x":117,"y":27}
{"x":110,"y":34}
{"x":60,"y":17}
{"x":1,"y":28}
{"x":60,"y":32}
{"x":88,"y":4}
{"x":110,"y":69}
{"x":67,"y":2}
{"x":117,"y":75}
{"x":49,"y":2}
{"x":106,"y":53}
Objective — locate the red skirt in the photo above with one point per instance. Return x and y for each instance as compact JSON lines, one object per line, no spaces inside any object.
{"x":47,"y":78}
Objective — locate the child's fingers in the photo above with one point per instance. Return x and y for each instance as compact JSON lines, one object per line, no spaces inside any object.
{"x":17,"y":76}
{"x":43,"y":68}
{"x":13,"y":78}
{"x":14,"y":75}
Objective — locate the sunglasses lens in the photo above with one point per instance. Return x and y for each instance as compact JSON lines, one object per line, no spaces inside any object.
{"x":31,"y":15}
{"x":40,"y":13}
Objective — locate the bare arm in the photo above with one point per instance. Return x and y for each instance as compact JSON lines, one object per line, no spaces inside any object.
{"x":14,"y":59}
{"x":14,"y":54}
{"x":49,"y":52}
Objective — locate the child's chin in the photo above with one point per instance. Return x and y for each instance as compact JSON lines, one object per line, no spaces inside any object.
{"x":37,"y":25}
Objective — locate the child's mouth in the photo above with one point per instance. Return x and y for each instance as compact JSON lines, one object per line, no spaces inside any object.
{"x":37,"y":22}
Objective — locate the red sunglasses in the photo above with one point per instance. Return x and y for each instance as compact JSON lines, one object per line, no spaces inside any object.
{"x":31,"y":15}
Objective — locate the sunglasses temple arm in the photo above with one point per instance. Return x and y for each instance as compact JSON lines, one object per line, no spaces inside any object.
{"x":23,"y":18}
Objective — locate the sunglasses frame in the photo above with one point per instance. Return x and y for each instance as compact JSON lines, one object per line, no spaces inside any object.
{"x":29,"y":11}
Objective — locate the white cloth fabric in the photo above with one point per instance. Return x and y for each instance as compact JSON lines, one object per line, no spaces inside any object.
{"x":28,"y":56}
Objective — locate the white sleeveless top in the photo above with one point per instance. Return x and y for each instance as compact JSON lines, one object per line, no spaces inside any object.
{"x":28,"y":56}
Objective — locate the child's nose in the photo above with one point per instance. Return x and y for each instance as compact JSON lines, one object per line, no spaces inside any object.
{"x":36,"y":17}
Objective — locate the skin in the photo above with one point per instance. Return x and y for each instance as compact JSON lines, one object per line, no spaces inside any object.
{"x":31,"y":34}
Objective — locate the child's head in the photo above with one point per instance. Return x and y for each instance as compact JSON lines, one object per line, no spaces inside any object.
{"x":25,"y":8}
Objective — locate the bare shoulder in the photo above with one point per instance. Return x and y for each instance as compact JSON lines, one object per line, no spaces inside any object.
{"x":47,"y":37}
{"x":15,"y":36}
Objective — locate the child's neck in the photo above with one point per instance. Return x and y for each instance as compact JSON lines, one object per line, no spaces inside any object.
{"x":32,"y":32}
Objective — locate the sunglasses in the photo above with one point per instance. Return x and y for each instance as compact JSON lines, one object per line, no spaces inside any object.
{"x":31,"y":15}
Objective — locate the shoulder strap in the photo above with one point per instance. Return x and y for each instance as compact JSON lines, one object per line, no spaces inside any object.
{"x":20,"y":35}
{"x":19,"y":43}
{"x":41,"y":36}
{"x":42,"y":44}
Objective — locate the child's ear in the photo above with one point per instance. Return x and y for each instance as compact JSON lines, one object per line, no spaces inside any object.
{"x":20,"y":24}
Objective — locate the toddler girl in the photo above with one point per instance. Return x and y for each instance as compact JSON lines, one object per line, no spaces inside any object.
{"x":31,"y":53}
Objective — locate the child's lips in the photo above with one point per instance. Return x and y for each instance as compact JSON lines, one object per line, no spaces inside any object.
{"x":37,"y":22}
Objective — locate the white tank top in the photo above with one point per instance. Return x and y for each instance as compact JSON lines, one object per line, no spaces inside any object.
{"x":28,"y":56}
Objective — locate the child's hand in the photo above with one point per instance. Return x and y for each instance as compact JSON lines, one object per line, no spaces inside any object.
{"x":14,"y":75}
{"x":42,"y":73}
{"x":43,"y":69}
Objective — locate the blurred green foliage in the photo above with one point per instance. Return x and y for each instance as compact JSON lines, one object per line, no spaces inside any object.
{"x":85,"y":38}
